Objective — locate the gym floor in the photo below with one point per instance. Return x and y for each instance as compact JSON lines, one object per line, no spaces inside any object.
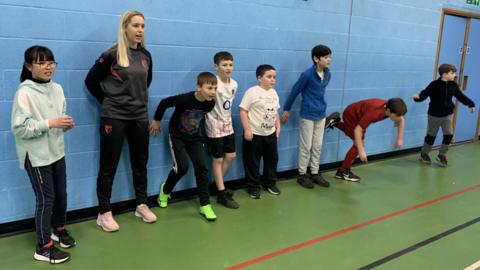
{"x":402,"y":215}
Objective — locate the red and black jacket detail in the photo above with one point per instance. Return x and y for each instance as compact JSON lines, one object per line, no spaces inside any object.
{"x":122,"y":91}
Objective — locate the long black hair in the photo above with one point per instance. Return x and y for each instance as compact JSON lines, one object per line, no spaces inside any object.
{"x":34,"y":54}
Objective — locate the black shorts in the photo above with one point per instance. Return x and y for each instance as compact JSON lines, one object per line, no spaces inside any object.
{"x":217,"y":147}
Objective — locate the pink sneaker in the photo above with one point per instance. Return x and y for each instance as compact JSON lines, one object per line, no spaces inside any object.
{"x":145,"y":213}
{"x":107,"y":222}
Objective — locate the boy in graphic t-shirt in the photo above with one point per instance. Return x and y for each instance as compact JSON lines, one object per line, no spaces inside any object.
{"x":186,"y":139}
{"x":261,"y":129}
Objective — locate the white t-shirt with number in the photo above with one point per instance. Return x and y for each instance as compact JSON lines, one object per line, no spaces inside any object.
{"x":262,"y":106}
{"x":219,"y":120}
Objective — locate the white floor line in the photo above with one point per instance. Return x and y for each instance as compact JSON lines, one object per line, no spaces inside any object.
{"x":473,"y":266}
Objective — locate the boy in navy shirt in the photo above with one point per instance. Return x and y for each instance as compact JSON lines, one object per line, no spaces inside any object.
{"x":186,"y":139}
{"x":440,"y":111}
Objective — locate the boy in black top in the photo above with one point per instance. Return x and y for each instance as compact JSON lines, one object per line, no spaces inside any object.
{"x":440,"y":111}
{"x":186,"y":140}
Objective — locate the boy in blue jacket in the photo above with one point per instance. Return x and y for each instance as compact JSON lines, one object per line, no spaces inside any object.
{"x":311,"y":84}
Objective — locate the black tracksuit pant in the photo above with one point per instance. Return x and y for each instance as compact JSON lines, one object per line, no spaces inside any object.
{"x":181,"y":149}
{"x":50,"y":187}
{"x":112,"y":134}
{"x":253,"y":151}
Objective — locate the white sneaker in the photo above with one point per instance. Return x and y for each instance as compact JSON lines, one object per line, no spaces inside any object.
{"x":107,"y":222}
{"x":142,"y":211}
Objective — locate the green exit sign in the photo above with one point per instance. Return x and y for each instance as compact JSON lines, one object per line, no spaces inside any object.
{"x":473,"y":2}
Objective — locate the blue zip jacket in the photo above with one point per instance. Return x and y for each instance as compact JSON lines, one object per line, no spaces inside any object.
{"x":312,"y":88}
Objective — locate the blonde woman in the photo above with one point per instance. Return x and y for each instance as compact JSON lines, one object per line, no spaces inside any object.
{"x":119,"y":80}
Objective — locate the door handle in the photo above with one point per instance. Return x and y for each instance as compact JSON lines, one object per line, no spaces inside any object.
{"x":465,"y":81}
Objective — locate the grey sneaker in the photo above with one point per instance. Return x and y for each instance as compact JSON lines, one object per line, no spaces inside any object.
{"x":425,"y":158}
{"x":442,"y":160}
{"x":319,"y":180}
{"x":305,"y":181}
{"x":225,"y":198}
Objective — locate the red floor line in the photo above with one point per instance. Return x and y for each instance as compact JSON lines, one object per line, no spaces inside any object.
{"x":349,"y":229}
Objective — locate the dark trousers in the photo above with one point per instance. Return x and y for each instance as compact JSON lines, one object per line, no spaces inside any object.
{"x":50,"y":187}
{"x":253,"y":151}
{"x":112,"y":133}
{"x":181,"y":149}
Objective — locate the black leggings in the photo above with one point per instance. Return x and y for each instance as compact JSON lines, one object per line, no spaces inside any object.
{"x":112,"y":133}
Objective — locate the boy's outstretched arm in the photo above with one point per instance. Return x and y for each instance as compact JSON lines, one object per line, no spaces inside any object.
{"x":400,"y":127}
{"x":358,"y":140}
{"x":424,"y":94}
{"x":156,"y":125}
{"x":247,"y":130}
{"x":164,"y":105}
{"x":465,"y":100}
{"x":296,"y":89}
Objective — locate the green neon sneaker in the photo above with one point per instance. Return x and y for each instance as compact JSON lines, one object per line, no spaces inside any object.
{"x":207,"y":212}
{"x":163,"y":198}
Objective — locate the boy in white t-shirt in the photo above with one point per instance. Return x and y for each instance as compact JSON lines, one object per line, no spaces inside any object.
{"x":220,"y":133}
{"x":261,"y":129}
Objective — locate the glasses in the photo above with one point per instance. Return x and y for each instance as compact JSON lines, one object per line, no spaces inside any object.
{"x":47,"y":64}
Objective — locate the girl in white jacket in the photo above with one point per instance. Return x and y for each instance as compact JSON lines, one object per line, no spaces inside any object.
{"x":38,"y":123}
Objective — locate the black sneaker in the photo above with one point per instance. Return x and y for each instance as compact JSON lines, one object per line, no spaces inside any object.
{"x":332,"y":120}
{"x":64,"y":238}
{"x":347,"y":175}
{"x":229,"y":192}
{"x":273,"y":189}
{"x":442,"y":160}
{"x":226,"y":199}
{"x":425,"y":158}
{"x":339,"y":174}
{"x":319,"y":180}
{"x":254,"y":193}
{"x":51,"y":254}
{"x":305,"y":181}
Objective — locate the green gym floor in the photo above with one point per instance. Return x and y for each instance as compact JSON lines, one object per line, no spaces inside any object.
{"x":402,"y":215}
